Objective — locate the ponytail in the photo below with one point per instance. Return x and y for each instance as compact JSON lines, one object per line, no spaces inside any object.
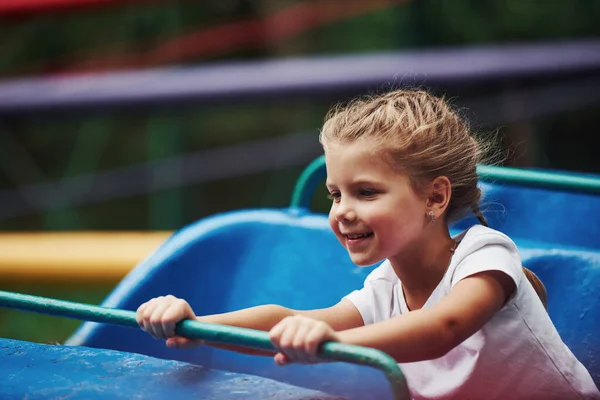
{"x":479,"y":214}
{"x":539,"y":287}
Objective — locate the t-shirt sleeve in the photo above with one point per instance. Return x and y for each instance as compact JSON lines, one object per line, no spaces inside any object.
{"x":491,"y":257}
{"x":373,"y":301}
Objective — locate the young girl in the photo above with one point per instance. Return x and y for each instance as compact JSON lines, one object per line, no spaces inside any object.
{"x":458,"y":313}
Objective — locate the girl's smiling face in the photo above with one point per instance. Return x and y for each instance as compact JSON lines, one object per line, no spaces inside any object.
{"x":375,"y":213}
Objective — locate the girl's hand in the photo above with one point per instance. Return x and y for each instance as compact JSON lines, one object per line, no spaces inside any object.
{"x":159,"y":316}
{"x":298,"y":339}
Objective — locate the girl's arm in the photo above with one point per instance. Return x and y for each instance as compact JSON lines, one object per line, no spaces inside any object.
{"x":431,"y":333}
{"x":159,"y":316}
{"x":341,"y":316}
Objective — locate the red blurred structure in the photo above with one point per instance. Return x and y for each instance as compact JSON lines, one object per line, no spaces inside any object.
{"x":225,"y":38}
{"x":21,"y":8}
{"x":207,"y":42}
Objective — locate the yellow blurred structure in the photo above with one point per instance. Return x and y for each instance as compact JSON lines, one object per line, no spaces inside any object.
{"x":74,"y":256}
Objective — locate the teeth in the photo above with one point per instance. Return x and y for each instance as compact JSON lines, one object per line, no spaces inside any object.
{"x":358,"y":235}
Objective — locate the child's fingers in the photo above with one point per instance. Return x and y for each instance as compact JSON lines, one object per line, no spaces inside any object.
{"x":157,"y":320}
{"x":281,"y":359}
{"x":276,"y":331}
{"x":314,"y":338}
{"x":159,"y":315}
{"x":147,"y":314}
{"x":288,"y":338}
{"x":139,"y":314}
{"x":171,"y":316}
{"x":297,"y":351}
{"x":279,"y":336}
{"x":182,"y":342}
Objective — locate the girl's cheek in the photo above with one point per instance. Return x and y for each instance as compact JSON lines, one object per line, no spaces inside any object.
{"x":333,"y":223}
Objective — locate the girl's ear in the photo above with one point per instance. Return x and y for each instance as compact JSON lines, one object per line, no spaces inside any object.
{"x":439,"y":196}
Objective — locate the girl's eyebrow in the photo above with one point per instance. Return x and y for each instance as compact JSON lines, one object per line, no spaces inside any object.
{"x":359,"y":182}
{"x":365,"y":182}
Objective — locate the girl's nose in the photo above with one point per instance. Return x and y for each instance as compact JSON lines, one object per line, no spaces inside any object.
{"x":344,"y":213}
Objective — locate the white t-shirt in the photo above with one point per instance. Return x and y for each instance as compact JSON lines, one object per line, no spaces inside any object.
{"x":517,"y":355}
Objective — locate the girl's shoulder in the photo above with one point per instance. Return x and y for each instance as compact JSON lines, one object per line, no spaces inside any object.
{"x":482,"y":249}
{"x":479,"y":236}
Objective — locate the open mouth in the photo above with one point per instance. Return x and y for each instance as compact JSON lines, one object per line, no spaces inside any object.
{"x":358,"y":236}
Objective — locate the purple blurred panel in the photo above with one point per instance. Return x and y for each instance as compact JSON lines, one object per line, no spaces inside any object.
{"x":213,"y":82}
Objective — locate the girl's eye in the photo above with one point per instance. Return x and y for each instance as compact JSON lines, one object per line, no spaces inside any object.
{"x":333,"y":196}
{"x":368,"y":192}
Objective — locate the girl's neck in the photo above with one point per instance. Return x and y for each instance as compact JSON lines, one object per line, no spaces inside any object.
{"x":421,"y":268}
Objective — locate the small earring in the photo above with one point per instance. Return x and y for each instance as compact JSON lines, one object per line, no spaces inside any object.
{"x":432,"y":216}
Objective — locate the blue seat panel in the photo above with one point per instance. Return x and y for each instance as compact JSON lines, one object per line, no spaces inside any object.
{"x":291,"y":257}
{"x":38,"y":371}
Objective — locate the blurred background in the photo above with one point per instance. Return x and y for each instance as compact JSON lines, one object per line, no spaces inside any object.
{"x":123,"y":120}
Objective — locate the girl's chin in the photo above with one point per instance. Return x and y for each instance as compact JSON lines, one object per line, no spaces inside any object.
{"x":363,"y":262}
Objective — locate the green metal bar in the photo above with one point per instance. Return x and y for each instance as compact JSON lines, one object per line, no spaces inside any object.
{"x":306,"y":184}
{"x":540,"y":179}
{"x":211,"y":332}
{"x":315,"y":172}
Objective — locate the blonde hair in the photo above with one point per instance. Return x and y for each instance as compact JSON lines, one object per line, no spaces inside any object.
{"x":423,"y":137}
